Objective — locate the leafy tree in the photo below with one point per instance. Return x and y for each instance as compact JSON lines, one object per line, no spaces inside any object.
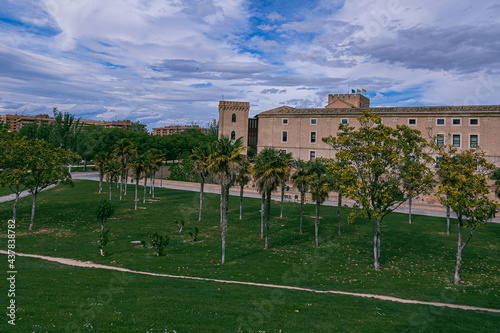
{"x":377,"y":154}
{"x":103,"y":212}
{"x":124,"y":149}
{"x":243,"y":178}
{"x":319,"y":184}
{"x":268,"y":170}
{"x":300,"y":179}
{"x":137,"y":165}
{"x":466,"y":193}
{"x":213,"y":127}
{"x":159,"y":243}
{"x":64,"y":131}
{"x":201,"y":159}
{"x":496,"y":177}
{"x":46,"y":166}
{"x":15,"y":154}
{"x":100,"y":162}
{"x":225,"y":161}
{"x":342,"y":177}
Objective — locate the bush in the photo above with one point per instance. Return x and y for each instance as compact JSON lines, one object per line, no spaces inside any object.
{"x":159,"y":243}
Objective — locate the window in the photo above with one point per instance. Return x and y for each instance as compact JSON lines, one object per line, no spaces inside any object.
{"x":456,"y":140}
{"x":313,"y":137}
{"x":313,"y":121}
{"x":474,"y":122}
{"x":344,"y":121}
{"x":233,"y":135}
{"x":312,"y":155}
{"x":456,"y":122}
{"x":440,"y":121}
{"x":412,"y":122}
{"x":474,"y":141}
{"x":440,"y":139}
{"x":233,"y":118}
{"x":284,"y":121}
{"x":284,"y":136}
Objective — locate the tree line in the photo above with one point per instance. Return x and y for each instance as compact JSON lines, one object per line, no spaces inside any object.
{"x":376,"y":166}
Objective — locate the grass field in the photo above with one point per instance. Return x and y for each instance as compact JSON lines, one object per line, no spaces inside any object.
{"x":417,"y":263}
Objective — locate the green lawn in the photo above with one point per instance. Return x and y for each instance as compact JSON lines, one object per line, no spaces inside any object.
{"x":417,"y":263}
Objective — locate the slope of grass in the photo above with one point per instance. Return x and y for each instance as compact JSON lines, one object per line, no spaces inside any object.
{"x":417,"y":260}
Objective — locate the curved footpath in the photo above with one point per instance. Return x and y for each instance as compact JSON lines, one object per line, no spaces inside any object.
{"x":252,"y":193}
{"x":88,"y":264}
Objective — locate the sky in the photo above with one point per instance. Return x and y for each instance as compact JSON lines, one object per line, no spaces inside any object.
{"x":166,"y":62}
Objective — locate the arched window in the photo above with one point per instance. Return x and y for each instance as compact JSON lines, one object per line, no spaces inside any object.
{"x":233,"y":118}
{"x":233,"y":135}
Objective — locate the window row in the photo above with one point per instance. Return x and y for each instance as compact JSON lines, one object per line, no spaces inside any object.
{"x":313,"y":121}
{"x":456,"y":140}
{"x":284,"y":137}
{"x":411,"y":121}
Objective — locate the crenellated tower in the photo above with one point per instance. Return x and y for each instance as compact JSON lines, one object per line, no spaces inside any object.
{"x":233,"y":120}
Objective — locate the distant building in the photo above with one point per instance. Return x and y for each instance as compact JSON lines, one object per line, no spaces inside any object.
{"x":299,"y":131}
{"x":176,"y":129}
{"x":16,"y":122}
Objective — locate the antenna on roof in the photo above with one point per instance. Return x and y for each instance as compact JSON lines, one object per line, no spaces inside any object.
{"x":222,"y":97}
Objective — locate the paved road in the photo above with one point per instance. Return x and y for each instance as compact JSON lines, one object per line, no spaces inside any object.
{"x":185,"y":186}
{"x":12,"y":197}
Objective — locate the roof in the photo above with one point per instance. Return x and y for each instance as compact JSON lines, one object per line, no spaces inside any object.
{"x":415,"y":110}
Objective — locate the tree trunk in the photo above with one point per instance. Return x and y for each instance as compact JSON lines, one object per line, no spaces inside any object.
{"x":316,"y":223}
{"x":153,"y":186}
{"x":459,"y":251}
{"x":268,"y":215}
{"x":84,"y":164}
{"x":136,"y":190}
{"x":224,"y":209}
{"x":145,"y":188}
{"x":161,"y":176}
{"x":409,"y":210}
{"x":282,"y":197}
{"x":302,"y":200}
{"x":35,"y":193}
{"x":448,"y":213}
{"x":126,"y":182}
{"x":101,"y":176}
{"x":242,"y":188}
{"x":339,"y":210}
{"x":14,"y":210}
{"x":110,"y":189}
{"x":121,"y":186}
{"x":262,"y":204}
{"x":376,"y":246}
{"x":202,"y":185}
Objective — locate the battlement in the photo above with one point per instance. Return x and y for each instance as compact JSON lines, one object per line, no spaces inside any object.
{"x":235,"y":106}
{"x":342,"y":101}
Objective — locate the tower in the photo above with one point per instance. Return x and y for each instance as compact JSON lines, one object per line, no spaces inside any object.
{"x":233,"y":120}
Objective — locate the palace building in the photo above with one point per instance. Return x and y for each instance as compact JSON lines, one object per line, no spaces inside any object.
{"x":300,"y":131}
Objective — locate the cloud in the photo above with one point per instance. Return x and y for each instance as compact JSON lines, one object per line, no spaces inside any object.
{"x":273,"y":91}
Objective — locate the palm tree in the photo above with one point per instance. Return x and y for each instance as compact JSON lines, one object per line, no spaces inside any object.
{"x":123,"y":151}
{"x":300,"y":179}
{"x":242,"y":179}
{"x":269,"y":169}
{"x":156,"y":161}
{"x":201,"y":158}
{"x":137,"y":165}
{"x":112,"y":168}
{"x":100,"y":161}
{"x":288,"y":161}
{"x":224,"y":161}
{"x":320,"y":187}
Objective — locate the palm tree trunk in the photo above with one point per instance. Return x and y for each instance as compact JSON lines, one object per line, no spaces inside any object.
{"x":161,"y":176}
{"x":121,"y":186}
{"x":262,"y":204}
{"x":282,"y":197}
{"x":145,"y":188}
{"x":241,"y":198}
{"x":110,"y":189}
{"x":101,"y":176}
{"x":126,"y":182}
{"x":224,"y":210}
{"x":153,"y":186}
{"x":302,"y":200}
{"x":202,"y":185}
{"x":316,"y":223}
{"x":339,"y":210}
{"x":35,"y":193}
{"x":268,"y":215}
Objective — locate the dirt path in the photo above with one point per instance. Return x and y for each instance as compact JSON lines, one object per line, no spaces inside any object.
{"x":89,"y":264}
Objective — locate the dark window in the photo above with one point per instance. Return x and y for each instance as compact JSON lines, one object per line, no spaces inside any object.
{"x":313,"y":121}
{"x":474,"y":142}
{"x":233,"y":135}
{"x":440,"y":140}
{"x":312,"y":155}
{"x":456,"y":140}
{"x":313,"y":137}
{"x":412,"y":121}
{"x":285,"y":122}
{"x":284,"y":137}
{"x":474,"y":121}
{"x":440,"y":121}
{"x":233,"y":118}
{"x":344,"y":121}
{"x":456,"y":122}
